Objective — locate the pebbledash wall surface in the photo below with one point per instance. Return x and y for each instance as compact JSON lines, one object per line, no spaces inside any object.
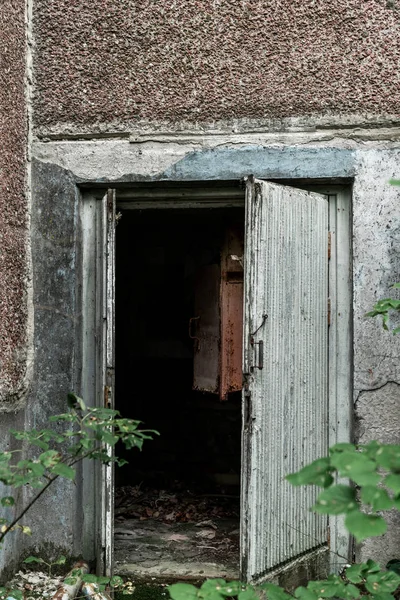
{"x":139,"y":90}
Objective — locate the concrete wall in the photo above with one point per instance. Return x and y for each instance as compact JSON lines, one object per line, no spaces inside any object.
{"x":328,"y":154}
{"x":13,"y":206}
{"x":113,"y":65}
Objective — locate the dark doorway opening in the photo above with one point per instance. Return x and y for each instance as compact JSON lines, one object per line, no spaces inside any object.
{"x":177,"y":502}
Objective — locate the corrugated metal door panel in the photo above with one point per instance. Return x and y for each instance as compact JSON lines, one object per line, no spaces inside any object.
{"x":286,"y":403}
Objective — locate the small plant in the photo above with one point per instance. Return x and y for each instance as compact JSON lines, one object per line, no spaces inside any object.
{"x":81,"y":433}
{"x":374,"y":471}
{"x":61,"y":560}
{"x":383,"y":308}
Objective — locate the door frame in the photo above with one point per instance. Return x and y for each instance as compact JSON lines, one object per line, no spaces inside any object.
{"x":164,"y":195}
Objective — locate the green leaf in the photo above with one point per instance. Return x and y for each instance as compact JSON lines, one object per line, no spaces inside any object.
{"x":356,"y":466}
{"x":394,"y":565}
{"x":34,"y":559}
{"x":75,"y":402}
{"x":355,"y":573}
{"x":317,"y":473}
{"x":183,"y":591}
{"x":7,"y":501}
{"x":336,"y":500}
{"x":392,"y":481}
{"x":383,"y":582}
{"x":274,"y":592}
{"x":116,"y":581}
{"x":109,"y":438}
{"x":212,"y":589}
{"x":89,"y":578}
{"x":334,"y":586}
{"x":394,"y":181}
{"x":378,"y":498}
{"x":343,"y":446}
{"x":26,"y":530}
{"x":61,"y":560}
{"x":371,"y":567}
{"x":231,"y":588}
{"x":381,"y":596}
{"x":363,"y":526}
{"x":49,"y":458}
{"x":64,"y":470}
{"x":248,"y":594}
{"x":304,"y":594}
{"x":388,"y":457}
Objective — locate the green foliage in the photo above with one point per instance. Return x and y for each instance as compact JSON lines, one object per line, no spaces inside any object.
{"x":82,"y":432}
{"x":374,"y":473}
{"x":384,"y":307}
{"x":365,"y":579}
{"x":374,"y":468}
{"x":61,"y":560}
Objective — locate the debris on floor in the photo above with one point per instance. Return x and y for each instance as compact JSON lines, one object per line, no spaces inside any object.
{"x":180,"y":506}
{"x":167,"y":534}
{"x":34,"y":584}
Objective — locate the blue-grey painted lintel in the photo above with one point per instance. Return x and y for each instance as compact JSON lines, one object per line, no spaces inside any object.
{"x":282,"y":162}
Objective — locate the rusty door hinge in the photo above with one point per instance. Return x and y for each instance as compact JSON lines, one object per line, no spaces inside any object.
{"x":329,"y":311}
{"x":329,"y":244}
{"x":107,"y":396}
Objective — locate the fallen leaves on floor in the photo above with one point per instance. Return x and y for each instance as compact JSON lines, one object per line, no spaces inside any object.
{"x":181,"y":506}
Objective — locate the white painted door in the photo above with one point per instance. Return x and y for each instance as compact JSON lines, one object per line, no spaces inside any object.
{"x":105,"y":556}
{"x":285,"y":417}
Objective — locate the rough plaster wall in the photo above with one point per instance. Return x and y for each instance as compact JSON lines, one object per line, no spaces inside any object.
{"x":106,"y":61}
{"x":379,"y":419}
{"x":13,"y":205}
{"x":376,"y":248}
{"x":376,"y":352}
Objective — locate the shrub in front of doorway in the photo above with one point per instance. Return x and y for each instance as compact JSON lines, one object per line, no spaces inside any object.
{"x":81,"y":433}
{"x":374,"y":474}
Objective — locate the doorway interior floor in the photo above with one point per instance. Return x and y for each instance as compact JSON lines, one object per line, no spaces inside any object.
{"x":171,"y":535}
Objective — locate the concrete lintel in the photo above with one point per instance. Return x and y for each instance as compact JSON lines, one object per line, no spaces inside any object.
{"x":119,"y":161}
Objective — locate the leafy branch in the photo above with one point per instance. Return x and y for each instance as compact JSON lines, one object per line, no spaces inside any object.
{"x":82,"y":433}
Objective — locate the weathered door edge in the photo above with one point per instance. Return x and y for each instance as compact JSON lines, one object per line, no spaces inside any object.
{"x":105,"y":561}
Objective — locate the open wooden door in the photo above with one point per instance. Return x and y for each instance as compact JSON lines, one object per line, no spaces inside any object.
{"x":107,"y":365}
{"x":285,"y":420}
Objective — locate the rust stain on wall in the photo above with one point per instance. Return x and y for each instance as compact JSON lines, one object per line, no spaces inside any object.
{"x":105,"y":61}
{"x":13,"y":207}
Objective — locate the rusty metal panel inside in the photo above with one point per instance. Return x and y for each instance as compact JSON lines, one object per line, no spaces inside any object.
{"x":179,"y":292}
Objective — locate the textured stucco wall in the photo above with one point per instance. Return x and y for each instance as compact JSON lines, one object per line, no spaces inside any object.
{"x":116,"y":62}
{"x":13,"y":205}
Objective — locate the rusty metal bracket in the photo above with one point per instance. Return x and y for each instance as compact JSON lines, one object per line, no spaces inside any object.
{"x":260,"y":344}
